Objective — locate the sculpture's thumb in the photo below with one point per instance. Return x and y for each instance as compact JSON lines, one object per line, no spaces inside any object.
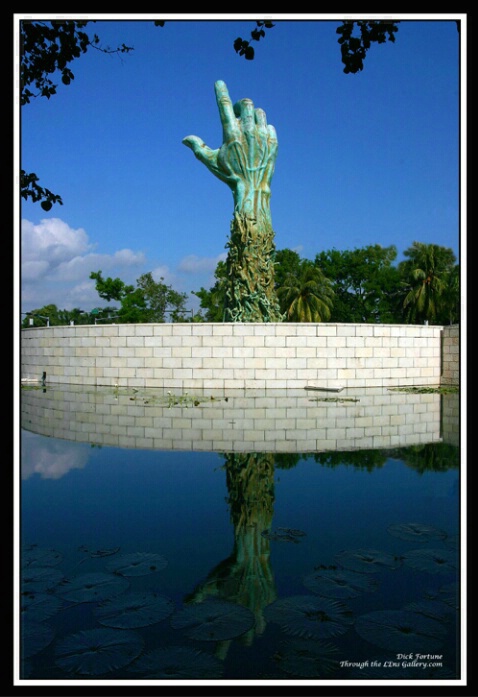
{"x":199,"y":148}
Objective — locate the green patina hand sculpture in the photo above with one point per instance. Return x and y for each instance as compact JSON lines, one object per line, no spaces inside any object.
{"x":245,"y":162}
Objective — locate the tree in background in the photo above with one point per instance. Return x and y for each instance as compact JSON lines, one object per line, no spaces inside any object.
{"x":450,"y":300}
{"x":213,"y":301}
{"x":150,"y":301}
{"x":364,"y":282}
{"x":427,"y":283}
{"x":53,"y":316}
{"x":306,"y":296}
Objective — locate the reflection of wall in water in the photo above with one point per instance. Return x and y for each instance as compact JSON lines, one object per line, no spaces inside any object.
{"x":260,"y":421}
{"x":451,"y":419}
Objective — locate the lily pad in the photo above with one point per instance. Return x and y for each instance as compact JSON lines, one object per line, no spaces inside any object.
{"x":339,"y":583}
{"x":37,"y":579}
{"x":310,"y":616}
{"x":434,"y":561}
{"x":93,"y":587}
{"x":416,"y":532}
{"x":98,"y":651}
{"x":367,"y":560}
{"x":434,"y":609}
{"x":308,"y":659}
{"x":137,"y":564}
{"x":40,"y":556}
{"x":132,"y":610}
{"x":213,"y":620}
{"x":283,"y":534}
{"x":35,"y":636}
{"x":39,"y":607}
{"x":177,"y":663}
{"x":401,"y":630}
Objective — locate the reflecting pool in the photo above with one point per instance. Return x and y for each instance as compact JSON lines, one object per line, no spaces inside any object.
{"x":224,"y":564}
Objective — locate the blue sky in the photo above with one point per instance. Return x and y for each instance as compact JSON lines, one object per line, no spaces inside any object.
{"x":364,"y":159}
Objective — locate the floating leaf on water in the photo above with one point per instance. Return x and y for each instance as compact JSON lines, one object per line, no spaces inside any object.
{"x":416,"y":532}
{"x":340,"y":583}
{"x":434,"y":561}
{"x":177,"y":663}
{"x":39,"y":607}
{"x":434,"y":609}
{"x":401,"y":630}
{"x":310,"y":616}
{"x":213,"y":620}
{"x":132,"y":610}
{"x":37,"y":579}
{"x":294,"y":532}
{"x":35,"y":636}
{"x":137,"y":564}
{"x":93,"y":587}
{"x":98,"y":651}
{"x":39,"y":556}
{"x":283,"y":534}
{"x":308,"y":659}
{"x":367,"y":560}
{"x":102,"y":552}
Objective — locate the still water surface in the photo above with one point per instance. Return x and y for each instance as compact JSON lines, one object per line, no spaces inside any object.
{"x":168,"y":565}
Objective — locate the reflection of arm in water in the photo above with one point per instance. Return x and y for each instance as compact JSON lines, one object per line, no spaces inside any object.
{"x":246,"y":577}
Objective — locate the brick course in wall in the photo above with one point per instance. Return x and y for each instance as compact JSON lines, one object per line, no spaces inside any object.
{"x":241,"y":356}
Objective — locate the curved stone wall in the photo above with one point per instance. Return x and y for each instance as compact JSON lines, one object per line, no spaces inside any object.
{"x":236,"y":355}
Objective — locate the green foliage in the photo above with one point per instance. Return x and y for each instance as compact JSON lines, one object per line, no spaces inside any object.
{"x":52,"y":315}
{"x":213,"y":301}
{"x":306,"y":296}
{"x":359,"y":285}
{"x":365,"y":283}
{"x":110,"y":288}
{"x":431,"y":457}
{"x":150,"y":301}
{"x":430,"y":284}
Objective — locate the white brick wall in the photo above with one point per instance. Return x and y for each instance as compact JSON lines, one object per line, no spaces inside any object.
{"x":239,"y":356}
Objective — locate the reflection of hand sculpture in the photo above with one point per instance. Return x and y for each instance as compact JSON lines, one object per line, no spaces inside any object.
{"x":246,"y":577}
{"x":246,"y":159}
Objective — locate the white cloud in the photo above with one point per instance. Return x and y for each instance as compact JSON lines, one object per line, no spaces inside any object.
{"x":53,"y":241}
{"x":32,"y":270}
{"x":195,"y":264}
{"x":56,"y":262}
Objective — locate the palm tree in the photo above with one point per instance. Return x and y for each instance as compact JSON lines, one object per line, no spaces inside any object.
{"x":451,"y":296}
{"x":307,"y":296}
{"x":424,"y":284}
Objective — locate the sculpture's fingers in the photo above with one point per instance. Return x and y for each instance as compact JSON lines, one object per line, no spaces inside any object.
{"x":272,"y":135}
{"x":261,"y":122}
{"x":230,"y":126}
{"x":244,"y":110}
